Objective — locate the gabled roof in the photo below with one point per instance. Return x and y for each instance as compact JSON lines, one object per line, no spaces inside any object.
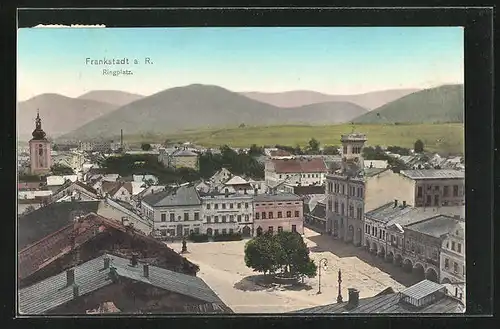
{"x":299,"y":165}
{"x":236,"y":180}
{"x":91,"y":276}
{"x":181,"y":196}
{"x":277,"y":197}
{"x":49,"y":219}
{"x":436,"y":226}
{"x":184,"y":153}
{"x":434,"y":174}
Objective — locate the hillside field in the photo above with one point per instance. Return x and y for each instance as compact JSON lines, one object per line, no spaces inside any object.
{"x":442,"y":138}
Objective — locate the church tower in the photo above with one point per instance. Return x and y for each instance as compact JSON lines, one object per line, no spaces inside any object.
{"x":40,"y":158}
{"x":352,"y":150}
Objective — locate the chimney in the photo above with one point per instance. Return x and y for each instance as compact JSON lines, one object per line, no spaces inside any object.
{"x":133,"y":260}
{"x":75,"y":291}
{"x":70,"y":277}
{"x":146,"y":270}
{"x":106,"y":262}
{"x":353,"y":297}
{"x":395,"y":203}
{"x":404,"y":204}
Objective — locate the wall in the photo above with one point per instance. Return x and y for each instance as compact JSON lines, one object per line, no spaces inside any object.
{"x":178,"y":213}
{"x":386,"y":187}
{"x":453,"y":256}
{"x":209,"y":212}
{"x":186,"y":161}
{"x":35,"y":166}
{"x":274,"y":207}
{"x":435,"y":188}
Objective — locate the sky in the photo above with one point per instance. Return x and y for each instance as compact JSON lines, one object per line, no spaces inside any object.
{"x":331,"y":60}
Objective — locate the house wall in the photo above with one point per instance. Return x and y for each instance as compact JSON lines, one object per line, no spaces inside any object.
{"x":167,"y":225}
{"x":422,"y":249}
{"x":285,"y":222}
{"x":450,"y":252}
{"x":231,"y":213}
{"x":122,"y":194}
{"x":185,"y":161}
{"x":439,"y":192}
{"x":386,"y":187}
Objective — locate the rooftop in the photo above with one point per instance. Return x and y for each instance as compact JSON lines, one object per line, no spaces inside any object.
{"x":277,"y":197}
{"x":91,"y":276}
{"x":436,"y":226}
{"x":181,"y":196}
{"x":184,"y":153}
{"x":422,"y":289}
{"x":236,"y":180}
{"x":433,"y":174}
{"x":299,"y":165}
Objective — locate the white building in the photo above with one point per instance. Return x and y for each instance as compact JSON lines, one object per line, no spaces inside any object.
{"x":452,"y":258}
{"x":304,"y":171}
{"x":225,"y":213}
{"x":174,"y":212}
{"x":60,"y":180}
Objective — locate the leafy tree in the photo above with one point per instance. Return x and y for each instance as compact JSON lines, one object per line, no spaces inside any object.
{"x":331,"y":150}
{"x":255,"y":150}
{"x":242,"y":125}
{"x":59,"y":169}
{"x":418,"y":147}
{"x":398,"y":150}
{"x":55,"y":147}
{"x":284,"y":251}
{"x":297,"y":150}
{"x":313,"y":146}
{"x":146,"y":146}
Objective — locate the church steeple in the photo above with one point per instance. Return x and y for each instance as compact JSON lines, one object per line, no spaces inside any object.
{"x":38,"y":133}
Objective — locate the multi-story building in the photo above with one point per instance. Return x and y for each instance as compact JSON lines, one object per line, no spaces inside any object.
{"x":278,"y":212}
{"x":184,"y":159}
{"x":96,"y":146}
{"x":435,"y":187}
{"x":452,"y":258}
{"x":174,"y":212}
{"x":225,"y":213}
{"x":303,"y":171}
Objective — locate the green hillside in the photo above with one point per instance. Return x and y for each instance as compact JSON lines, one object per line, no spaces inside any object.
{"x":443,"y":138}
{"x":435,"y":105}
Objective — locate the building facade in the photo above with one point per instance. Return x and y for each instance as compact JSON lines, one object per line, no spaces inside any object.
{"x":175,"y":212}
{"x":225,"y":213}
{"x":185,"y":159}
{"x":40,"y":150}
{"x":280,"y":212}
{"x":452,"y":258}
{"x":303,"y":171}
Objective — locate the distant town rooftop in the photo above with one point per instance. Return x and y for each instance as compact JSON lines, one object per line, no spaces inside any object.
{"x":277,"y":197}
{"x":353,"y":137}
{"x":433,"y":174}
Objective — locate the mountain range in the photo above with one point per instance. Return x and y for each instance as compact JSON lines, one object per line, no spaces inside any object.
{"x":115,"y":97}
{"x":433,"y":105}
{"x":205,"y":106}
{"x":296,"y":98}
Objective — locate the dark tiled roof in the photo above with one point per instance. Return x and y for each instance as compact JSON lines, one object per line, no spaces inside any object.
{"x":388,"y":212}
{"x":303,"y":190}
{"x":298,"y":165}
{"x":319,"y":210}
{"x":370,"y":172}
{"x":91,"y":276}
{"x":47,"y":220}
{"x":277,"y":197}
{"x":182,"y":196}
{"x":433,"y":174}
{"x":436,"y":226}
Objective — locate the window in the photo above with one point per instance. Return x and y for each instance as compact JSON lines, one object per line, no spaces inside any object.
{"x":223,"y":206}
{"x":419,"y":191}
{"x":360,"y":213}
{"x":459,"y":248}
{"x":216,"y":231}
{"x":263,"y":215}
{"x":428,"y":200}
{"x":447,"y":244}
{"x":294,"y":228}
{"x":453,"y":245}
{"x":208,"y":205}
{"x":270,"y":229}
{"x":163,"y":217}
{"x":238,"y":218}
{"x":455,"y":190}
{"x":280,"y":229}
{"x":216,"y":219}
{"x":209,"y":219}
{"x":196,"y":230}
{"x":330,"y":205}
{"x":445,"y":191}
{"x":455,"y":267}
{"x":239,"y":206}
{"x":345,"y":150}
{"x":231,"y":218}
{"x":288,"y":214}
{"x":373,"y":230}
{"x":342,"y":209}
{"x":343,"y":189}
{"x":257,"y":215}
{"x":436,"y":200}
{"x":216,"y":206}
{"x":186,"y":216}
{"x":196,"y":216}
{"x":336,"y":207}
{"x":436,"y":188}
{"x":224,"y":231}
{"x":223,"y":219}
{"x":247,"y":218}
{"x":231,"y":231}
{"x":270,"y":215}
{"x":351,"y":211}
{"x":297,"y":213}
{"x":280,"y":214}
{"x":246,"y":205}
{"x":230,"y":206}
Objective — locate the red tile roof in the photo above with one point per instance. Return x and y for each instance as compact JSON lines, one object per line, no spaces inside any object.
{"x":280,"y":153}
{"x":314,"y":165}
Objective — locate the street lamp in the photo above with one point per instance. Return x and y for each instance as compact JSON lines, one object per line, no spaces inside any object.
{"x":323,"y":261}
{"x":339,"y":297}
